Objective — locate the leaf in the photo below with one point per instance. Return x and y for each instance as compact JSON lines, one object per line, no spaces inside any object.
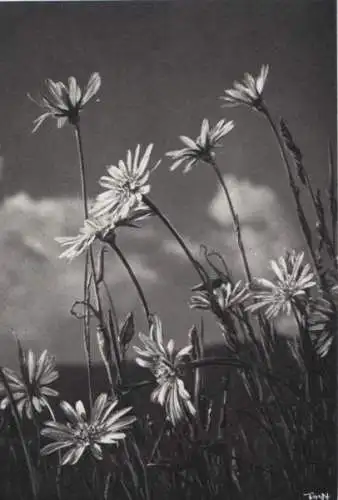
{"x":127,"y":332}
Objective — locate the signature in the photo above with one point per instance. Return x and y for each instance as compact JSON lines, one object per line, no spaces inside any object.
{"x":317,"y":496}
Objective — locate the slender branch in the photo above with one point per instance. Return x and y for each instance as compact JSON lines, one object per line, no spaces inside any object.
{"x":235,"y":219}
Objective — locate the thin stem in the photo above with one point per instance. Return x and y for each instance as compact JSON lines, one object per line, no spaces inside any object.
{"x":92,"y":263}
{"x":16,"y":416}
{"x":134,"y":280}
{"x":177,"y":236}
{"x":82,"y":169}
{"x":86,"y":326}
{"x":235,"y":219}
{"x":294,"y":189}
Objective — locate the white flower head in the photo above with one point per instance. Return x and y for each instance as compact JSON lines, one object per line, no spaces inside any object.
{"x":226,"y":296}
{"x":64,"y":103}
{"x":30,"y":389}
{"x":102,"y":228}
{"x":106,"y":426}
{"x":292,"y":283}
{"x":125,"y":184}
{"x":202,"y":149}
{"x":164,"y":363}
{"x":249,"y":92}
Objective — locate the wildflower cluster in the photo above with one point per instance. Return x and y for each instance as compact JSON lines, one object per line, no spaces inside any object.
{"x":244,"y":309}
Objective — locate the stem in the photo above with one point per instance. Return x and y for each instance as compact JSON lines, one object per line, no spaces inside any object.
{"x":294,"y":189}
{"x":177,"y":236}
{"x":86,"y":326}
{"x":82,"y":169}
{"x":134,"y":280}
{"x":20,"y":432}
{"x":235,"y":219}
{"x":91,"y":258}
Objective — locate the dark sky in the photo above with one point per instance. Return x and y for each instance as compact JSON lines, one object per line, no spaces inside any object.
{"x":164,"y":65}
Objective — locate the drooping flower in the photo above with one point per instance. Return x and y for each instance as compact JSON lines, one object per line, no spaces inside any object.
{"x":104,"y":427}
{"x":30,"y":388}
{"x":64,"y":103}
{"x":290,"y":286}
{"x":125,"y":185}
{"x":102,"y":228}
{"x":202,"y":149}
{"x":249,"y":92}
{"x":164,"y":363}
{"x":226,"y":295}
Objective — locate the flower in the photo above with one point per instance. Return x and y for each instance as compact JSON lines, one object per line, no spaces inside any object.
{"x":202,"y":148}
{"x":125,"y":185}
{"x":165,"y":366}
{"x":65,"y":103}
{"x":249,"y":92}
{"x":102,"y":228}
{"x":291,"y":285}
{"x":104,"y":427}
{"x":226,"y":295}
{"x":30,"y":389}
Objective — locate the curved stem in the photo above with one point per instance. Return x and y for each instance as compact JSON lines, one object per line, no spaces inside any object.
{"x":134,"y":280}
{"x":235,"y":219}
{"x":177,"y":236}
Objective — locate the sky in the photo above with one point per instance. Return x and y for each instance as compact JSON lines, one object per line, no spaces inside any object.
{"x":164,"y":65}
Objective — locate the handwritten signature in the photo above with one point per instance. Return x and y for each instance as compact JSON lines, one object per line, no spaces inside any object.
{"x":317,"y":496}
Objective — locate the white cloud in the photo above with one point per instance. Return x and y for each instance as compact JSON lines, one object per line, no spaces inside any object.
{"x":37,"y":288}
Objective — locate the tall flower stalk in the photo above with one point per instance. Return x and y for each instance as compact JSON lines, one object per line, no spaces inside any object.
{"x":250,"y":93}
{"x":202,"y":150}
{"x":64,"y":103}
{"x":89,"y":256}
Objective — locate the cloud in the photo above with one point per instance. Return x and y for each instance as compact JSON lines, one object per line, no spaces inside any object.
{"x":265,"y":225}
{"x":37,"y":289}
